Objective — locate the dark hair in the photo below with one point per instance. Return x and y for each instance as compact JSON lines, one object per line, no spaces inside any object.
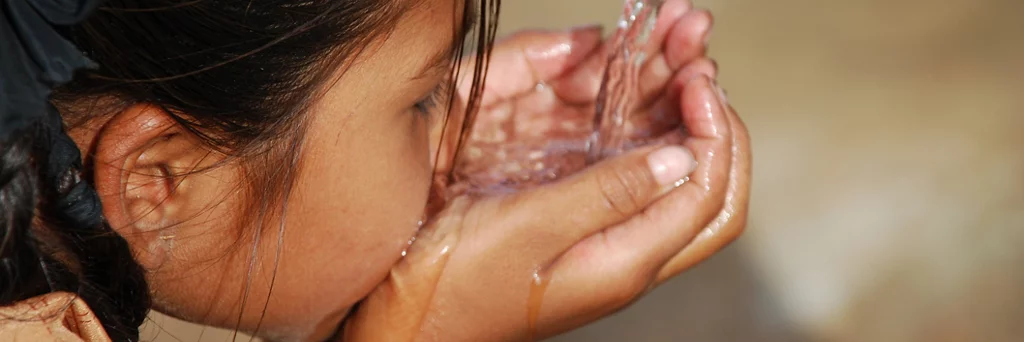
{"x":41,"y":252}
{"x":235,"y":73}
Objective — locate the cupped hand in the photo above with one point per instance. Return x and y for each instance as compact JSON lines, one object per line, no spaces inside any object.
{"x":548,"y":259}
{"x":541,"y":90}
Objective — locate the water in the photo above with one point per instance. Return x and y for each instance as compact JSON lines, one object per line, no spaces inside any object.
{"x":615,"y":106}
{"x":619,"y":89}
{"x":524,"y":144}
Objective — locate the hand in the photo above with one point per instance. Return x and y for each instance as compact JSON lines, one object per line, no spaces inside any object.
{"x":541,"y":92}
{"x":552,"y":258}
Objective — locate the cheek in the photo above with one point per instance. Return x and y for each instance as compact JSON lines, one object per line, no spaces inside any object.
{"x":359,"y":197}
{"x":444,"y":141}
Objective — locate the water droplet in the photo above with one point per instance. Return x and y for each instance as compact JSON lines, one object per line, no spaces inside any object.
{"x":682,"y":181}
{"x":538,"y":287}
{"x":475,"y":152}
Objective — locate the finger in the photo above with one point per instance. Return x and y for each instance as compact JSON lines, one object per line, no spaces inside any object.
{"x":563,"y":213}
{"x":581,"y":84}
{"x":641,"y":246}
{"x":672,"y":223}
{"x":732,"y":220}
{"x":663,"y":111}
{"x":525,"y":59}
{"x":669,"y":16}
{"x":616,"y":266}
{"x":702,"y":66}
{"x":670,"y":102}
{"x":688,"y":39}
{"x":686,"y":43}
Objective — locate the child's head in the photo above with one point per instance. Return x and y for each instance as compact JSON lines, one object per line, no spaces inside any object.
{"x":249,"y":150}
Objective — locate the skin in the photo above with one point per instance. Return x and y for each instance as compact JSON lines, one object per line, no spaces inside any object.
{"x":550,"y":259}
{"x":362,"y":182}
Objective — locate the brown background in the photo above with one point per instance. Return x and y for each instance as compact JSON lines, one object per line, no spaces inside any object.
{"x":889,"y":194}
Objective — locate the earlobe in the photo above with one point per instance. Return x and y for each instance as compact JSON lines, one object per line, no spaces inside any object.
{"x":134,"y":154}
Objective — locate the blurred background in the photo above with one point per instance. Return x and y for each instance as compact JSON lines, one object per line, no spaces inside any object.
{"x":889,"y":179}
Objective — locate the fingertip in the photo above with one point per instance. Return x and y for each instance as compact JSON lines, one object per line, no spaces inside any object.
{"x":672,"y":10}
{"x":702,"y":66}
{"x":551,"y":54}
{"x":710,"y":16}
{"x":710,"y":28}
{"x":669,"y":16}
{"x":594,"y":31}
{"x":586,"y":35}
{"x":585,"y":39}
{"x":689,"y":72}
{"x":653,"y":78}
{"x":723,"y":98}
{"x":702,"y":108}
{"x":670,"y":164}
{"x":688,"y":39}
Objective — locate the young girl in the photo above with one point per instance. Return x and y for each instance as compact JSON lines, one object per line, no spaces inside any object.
{"x":264,"y":166}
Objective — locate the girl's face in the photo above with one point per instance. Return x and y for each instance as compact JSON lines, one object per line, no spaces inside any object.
{"x":362,"y":184}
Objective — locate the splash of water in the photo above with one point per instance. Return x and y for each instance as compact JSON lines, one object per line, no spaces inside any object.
{"x":618,"y":93}
{"x":619,"y":88}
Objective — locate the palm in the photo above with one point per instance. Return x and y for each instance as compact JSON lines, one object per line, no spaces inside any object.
{"x":537,"y":116}
{"x":468,"y":273}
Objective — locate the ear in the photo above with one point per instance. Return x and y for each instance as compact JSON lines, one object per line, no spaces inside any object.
{"x":141,"y":157}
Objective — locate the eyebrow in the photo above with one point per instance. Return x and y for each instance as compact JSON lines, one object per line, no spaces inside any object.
{"x":442,"y":58}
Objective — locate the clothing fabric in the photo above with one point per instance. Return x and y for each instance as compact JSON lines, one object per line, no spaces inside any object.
{"x":58,"y":316}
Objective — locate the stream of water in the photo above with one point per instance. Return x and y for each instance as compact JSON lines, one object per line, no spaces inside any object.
{"x":619,"y":90}
{"x":615,"y":104}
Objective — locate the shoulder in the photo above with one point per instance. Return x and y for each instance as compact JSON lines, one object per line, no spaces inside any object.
{"x":58,"y":316}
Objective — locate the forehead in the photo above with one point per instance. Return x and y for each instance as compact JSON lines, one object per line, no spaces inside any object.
{"x":418,"y":33}
{"x":431,"y":32}
{"x":461,"y":13}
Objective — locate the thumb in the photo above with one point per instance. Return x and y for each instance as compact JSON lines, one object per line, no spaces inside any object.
{"x":606,"y":194}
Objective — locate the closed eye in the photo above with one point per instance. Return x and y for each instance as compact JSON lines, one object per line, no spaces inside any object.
{"x":429,"y":104}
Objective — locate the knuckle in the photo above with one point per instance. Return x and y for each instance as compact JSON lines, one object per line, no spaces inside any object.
{"x":727,"y":226}
{"x":735,"y":228}
{"x":631,"y":288}
{"x":623,"y":190}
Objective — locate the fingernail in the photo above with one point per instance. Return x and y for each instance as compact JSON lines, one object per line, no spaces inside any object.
{"x":707,"y":39}
{"x":711,"y":28}
{"x":590,"y":27}
{"x":722,"y":98}
{"x":671,"y":164}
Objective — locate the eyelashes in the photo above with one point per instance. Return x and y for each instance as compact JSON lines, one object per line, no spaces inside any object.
{"x":429,"y":104}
